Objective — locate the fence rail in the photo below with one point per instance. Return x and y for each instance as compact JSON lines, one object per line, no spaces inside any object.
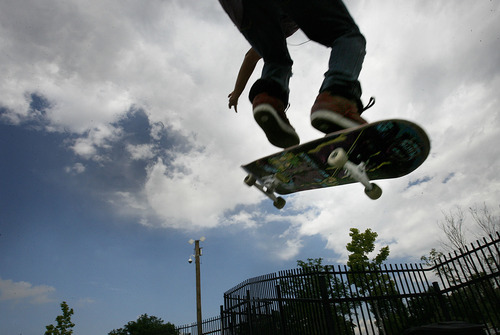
{"x":464,"y":285}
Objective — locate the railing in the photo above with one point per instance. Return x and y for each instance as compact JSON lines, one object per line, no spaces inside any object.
{"x":385,"y":300}
{"x":209,"y":326}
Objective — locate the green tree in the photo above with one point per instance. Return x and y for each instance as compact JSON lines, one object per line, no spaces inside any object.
{"x":361,"y":245}
{"x":372,"y":282}
{"x":304,"y":312}
{"x":146,"y":325}
{"x":64,"y":324}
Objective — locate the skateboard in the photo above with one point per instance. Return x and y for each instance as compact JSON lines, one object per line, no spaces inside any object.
{"x":380,"y":150}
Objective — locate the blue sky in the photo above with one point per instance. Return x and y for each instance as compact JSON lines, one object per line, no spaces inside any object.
{"x":117,"y":147}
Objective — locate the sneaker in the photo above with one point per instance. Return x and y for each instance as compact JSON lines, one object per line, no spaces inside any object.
{"x":331,"y":113}
{"x":269,"y":112}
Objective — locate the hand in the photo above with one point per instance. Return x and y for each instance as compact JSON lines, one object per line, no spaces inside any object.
{"x":233,"y":101}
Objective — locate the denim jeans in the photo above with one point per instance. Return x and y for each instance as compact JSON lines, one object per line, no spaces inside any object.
{"x":324,"y":21}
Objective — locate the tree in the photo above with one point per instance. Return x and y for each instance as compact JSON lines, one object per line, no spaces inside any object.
{"x":360,"y":246}
{"x":434,"y":256}
{"x":457,"y":228}
{"x":305,"y":311}
{"x":487,"y":222}
{"x":146,"y":325}
{"x":468,"y":272}
{"x":371,"y":282}
{"x":64,"y":324}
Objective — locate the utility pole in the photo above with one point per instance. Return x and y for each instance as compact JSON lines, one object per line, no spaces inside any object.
{"x":198,"y":286}
{"x":197,"y":254}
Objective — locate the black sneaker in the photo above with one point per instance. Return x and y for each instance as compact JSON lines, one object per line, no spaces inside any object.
{"x":269,"y":112}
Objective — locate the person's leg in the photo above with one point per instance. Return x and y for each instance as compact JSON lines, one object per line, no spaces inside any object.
{"x":269,"y":95}
{"x":328,"y":22}
{"x":262,"y":29}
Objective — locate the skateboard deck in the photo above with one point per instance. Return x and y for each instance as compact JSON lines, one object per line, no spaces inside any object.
{"x":379,"y":150}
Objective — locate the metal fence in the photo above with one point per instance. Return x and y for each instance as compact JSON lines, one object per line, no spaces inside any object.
{"x":389,"y":299}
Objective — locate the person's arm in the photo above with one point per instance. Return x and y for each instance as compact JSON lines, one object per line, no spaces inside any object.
{"x":246,"y":70}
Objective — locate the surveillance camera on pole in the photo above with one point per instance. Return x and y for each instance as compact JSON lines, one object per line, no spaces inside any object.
{"x":197,"y":254}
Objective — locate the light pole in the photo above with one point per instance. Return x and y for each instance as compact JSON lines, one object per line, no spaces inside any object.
{"x":197,"y":254}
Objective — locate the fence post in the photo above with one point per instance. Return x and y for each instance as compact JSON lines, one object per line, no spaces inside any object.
{"x":221,"y":320}
{"x":282,"y":314}
{"x":442,"y":305}
{"x":249,"y":313}
{"x":326,"y":304}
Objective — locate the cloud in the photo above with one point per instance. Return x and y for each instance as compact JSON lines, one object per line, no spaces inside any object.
{"x":82,"y":302}
{"x":141,"y":92}
{"x":23,"y":291}
{"x":140,"y":151}
{"x":193,"y":191}
{"x":75,"y":169}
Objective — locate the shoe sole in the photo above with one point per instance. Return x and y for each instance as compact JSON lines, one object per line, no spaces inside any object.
{"x":329,"y":122}
{"x":277,"y":131}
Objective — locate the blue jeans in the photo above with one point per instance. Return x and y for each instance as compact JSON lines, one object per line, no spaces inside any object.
{"x":324,"y":21}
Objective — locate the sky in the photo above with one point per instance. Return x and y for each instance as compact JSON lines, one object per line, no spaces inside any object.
{"x":117,"y":147}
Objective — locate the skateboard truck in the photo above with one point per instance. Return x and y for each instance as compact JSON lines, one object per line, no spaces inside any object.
{"x":338,"y":159}
{"x":381,"y":150}
{"x":268,"y":189}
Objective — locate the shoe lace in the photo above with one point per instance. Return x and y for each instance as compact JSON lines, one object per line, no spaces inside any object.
{"x":369,"y":104}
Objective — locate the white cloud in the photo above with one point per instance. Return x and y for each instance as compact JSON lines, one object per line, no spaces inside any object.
{"x":140,"y":92}
{"x":24,"y":291}
{"x":141,"y":151}
{"x":99,"y":137}
{"x":77,"y":168}
{"x":434,"y":63}
{"x":195,"y":191}
{"x":82,"y":302}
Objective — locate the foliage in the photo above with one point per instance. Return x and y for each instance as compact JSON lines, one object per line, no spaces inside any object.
{"x":315,"y":282}
{"x":456,"y":228}
{"x":488,"y":223}
{"x":64,"y":324}
{"x":361,"y":245}
{"x":371,"y":282}
{"x":433,"y":257}
{"x":308,"y":286}
{"x":146,"y":325}
{"x":469,"y":274}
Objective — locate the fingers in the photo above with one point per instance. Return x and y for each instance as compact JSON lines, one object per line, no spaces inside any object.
{"x":235,"y":105}
{"x":233,"y":101}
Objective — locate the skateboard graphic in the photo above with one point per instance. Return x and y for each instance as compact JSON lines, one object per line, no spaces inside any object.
{"x":380,"y":150}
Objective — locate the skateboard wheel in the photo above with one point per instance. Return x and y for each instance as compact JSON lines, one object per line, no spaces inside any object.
{"x":337,"y":158}
{"x":279,"y":203}
{"x":250,"y":180}
{"x":374,"y":193}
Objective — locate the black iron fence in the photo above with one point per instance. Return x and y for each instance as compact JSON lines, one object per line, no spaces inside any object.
{"x":389,"y":299}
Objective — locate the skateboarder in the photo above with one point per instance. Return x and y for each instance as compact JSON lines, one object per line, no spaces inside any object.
{"x":328,"y":22}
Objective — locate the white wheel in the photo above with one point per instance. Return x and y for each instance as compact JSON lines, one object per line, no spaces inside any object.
{"x":374,"y":193}
{"x":337,"y":158}
{"x":279,"y":203}
{"x":250,"y":180}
